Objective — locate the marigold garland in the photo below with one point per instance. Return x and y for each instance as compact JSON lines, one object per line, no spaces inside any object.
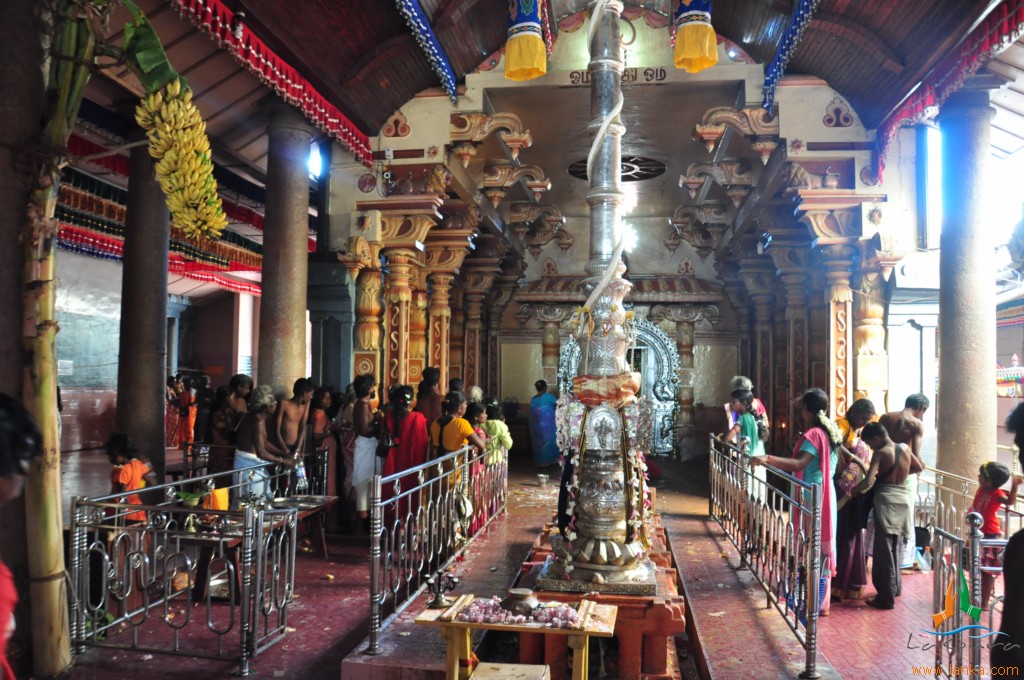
{"x":184,"y":168}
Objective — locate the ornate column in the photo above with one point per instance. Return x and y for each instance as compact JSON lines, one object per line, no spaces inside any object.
{"x":480,"y":273}
{"x":143,"y":342}
{"x":790,"y":258}
{"x":551,"y":318}
{"x":418,"y":325}
{"x":686,"y":318}
{"x":398,"y":298}
{"x":369,"y":335}
{"x":446,"y":251}
{"x":967,"y":343}
{"x":759,"y":281}
{"x":838,"y":260}
{"x":871,"y":376}
{"x":282,"y":328}
{"x":457,"y":333}
{"x":402,"y":222}
{"x":740,"y":301}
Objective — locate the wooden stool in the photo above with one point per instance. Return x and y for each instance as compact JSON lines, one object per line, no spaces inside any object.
{"x":510,"y":671}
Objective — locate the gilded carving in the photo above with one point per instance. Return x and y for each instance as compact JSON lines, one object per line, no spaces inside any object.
{"x":475,"y":127}
{"x":396,"y":126}
{"x":504,"y":175}
{"x":750,"y":122}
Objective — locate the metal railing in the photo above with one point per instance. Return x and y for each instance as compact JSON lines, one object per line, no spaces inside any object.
{"x":136,"y":570}
{"x":778,"y":534}
{"x":421,"y":520}
{"x":944,"y":499}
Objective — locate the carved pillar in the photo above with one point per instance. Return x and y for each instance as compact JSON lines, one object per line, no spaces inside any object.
{"x":551,"y":317}
{"x":759,"y":281}
{"x":741,"y":306}
{"x":501,"y":296}
{"x":838,"y":259}
{"x":457,"y":334}
{"x":418,"y":326}
{"x":686,"y":317}
{"x":369,"y":310}
{"x":967,"y":326}
{"x":399,"y":299}
{"x":871,"y":377}
{"x":477,"y":286}
{"x":791,"y":265}
{"x":440,"y":323}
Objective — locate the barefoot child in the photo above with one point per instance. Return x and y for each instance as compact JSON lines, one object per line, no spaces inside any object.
{"x":132,"y":471}
{"x":988,"y":501}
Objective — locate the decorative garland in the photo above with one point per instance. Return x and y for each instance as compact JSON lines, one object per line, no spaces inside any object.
{"x":432,"y":50}
{"x":787,"y":46}
{"x":1000,"y":29}
{"x":217,"y":21}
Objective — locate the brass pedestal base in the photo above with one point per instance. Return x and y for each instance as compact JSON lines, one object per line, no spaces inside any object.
{"x":638,"y":580}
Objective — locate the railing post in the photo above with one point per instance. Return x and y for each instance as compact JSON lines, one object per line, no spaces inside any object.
{"x":975,"y":536}
{"x":711,"y":475}
{"x":247,"y":614}
{"x":77,"y":548}
{"x":813,"y":569}
{"x":376,"y":525}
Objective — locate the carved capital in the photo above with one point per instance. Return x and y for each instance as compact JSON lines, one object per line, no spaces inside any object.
{"x":504,"y":175}
{"x":833,"y":226}
{"x":725,"y":173}
{"x":475,"y":127}
{"x":838,"y":261}
{"x":750,"y":122}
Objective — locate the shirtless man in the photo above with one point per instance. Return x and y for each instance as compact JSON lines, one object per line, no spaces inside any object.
{"x":240,"y":387}
{"x":429,"y":398}
{"x":905,"y":427}
{"x":292,"y":415}
{"x":253,"y":448}
{"x":892,"y":509}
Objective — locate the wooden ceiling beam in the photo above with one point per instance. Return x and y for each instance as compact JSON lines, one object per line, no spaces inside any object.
{"x":861,"y":36}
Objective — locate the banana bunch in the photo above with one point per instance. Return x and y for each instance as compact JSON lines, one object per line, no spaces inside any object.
{"x":184,"y":168}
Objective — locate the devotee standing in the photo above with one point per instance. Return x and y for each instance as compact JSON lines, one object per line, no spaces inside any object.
{"x":131,"y":472}
{"x":409,"y":434}
{"x":742,"y":403}
{"x":254,"y":449}
{"x":205,"y":396}
{"x":499,"y":439}
{"x":20,"y":444}
{"x":429,"y":397}
{"x":292,"y":415}
{"x":364,"y":458}
{"x":171,"y":414}
{"x":323,"y":435}
{"x":891,"y":509}
{"x":1008,"y":650}
{"x":906,"y":427}
{"x":451,"y":431}
{"x":854,"y":460}
{"x":542,"y":427}
{"x":742,"y":382}
{"x":989,"y":499}
{"x":814,"y":460}
{"x":240,"y":387}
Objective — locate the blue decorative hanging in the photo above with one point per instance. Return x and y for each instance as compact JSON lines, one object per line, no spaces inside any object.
{"x":787,"y":46}
{"x":420,"y":27}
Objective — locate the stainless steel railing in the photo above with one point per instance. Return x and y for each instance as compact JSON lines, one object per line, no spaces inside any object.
{"x":778,"y":534}
{"x":422,"y":519}
{"x":135,"y":578}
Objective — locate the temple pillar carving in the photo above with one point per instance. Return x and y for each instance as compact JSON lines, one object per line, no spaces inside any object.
{"x":501,"y":295}
{"x":369,"y":334}
{"x":838,"y":260}
{"x":686,"y":318}
{"x":457,"y":333}
{"x":967,"y":342}
{"x":759,"y":281}
{"x":790,"y":258}
{"x":478,"y":285}
{"x":870,"y":306}
{"x":551,"y":318}
{"x":440,"y":322}
{"x":418,"y":325}
{"x":399,"y":300}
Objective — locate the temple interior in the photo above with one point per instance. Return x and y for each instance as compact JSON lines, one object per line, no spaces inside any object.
{"x":591,"y":215}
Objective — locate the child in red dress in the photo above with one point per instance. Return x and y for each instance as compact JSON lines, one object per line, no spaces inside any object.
{"x":988,"y":501}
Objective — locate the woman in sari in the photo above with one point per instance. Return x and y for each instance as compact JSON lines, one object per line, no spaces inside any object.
{"x":854,"y":459}
{"x":409,"y":433}
{"x":542,"y":427}
{"x":814,"y":461}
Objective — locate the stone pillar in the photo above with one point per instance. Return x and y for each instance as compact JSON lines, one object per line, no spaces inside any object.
{"x":791,"y":265}
{"x":838,"y":260}
{"x":759,"y":282}
{"x":440,"y":323}
{"x":479,"y":279}
{"x":871,"y":376}
{"x":369,"y":335}
{"x":456,"y":335}
{"x":143,"y":343}
{"x":331,"y":316}
{"x":418,"y":327}
{"x":282,"y":341}
{"x":967,"y":345}
{"x":172,"y":345}
{"x":551,"y":318}
{"x":399,"y":299}
{"x":685,"y":316}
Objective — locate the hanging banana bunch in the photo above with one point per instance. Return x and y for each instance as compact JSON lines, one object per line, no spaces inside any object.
{"x":177,"y":134}
{"x":184,"y":168}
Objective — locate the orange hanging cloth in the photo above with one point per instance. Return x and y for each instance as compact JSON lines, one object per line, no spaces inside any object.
{"x":695,"y":43}
{"x":526,"y":55}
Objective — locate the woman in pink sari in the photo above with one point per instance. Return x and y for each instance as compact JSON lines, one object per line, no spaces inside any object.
{"x":814,"y":461}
